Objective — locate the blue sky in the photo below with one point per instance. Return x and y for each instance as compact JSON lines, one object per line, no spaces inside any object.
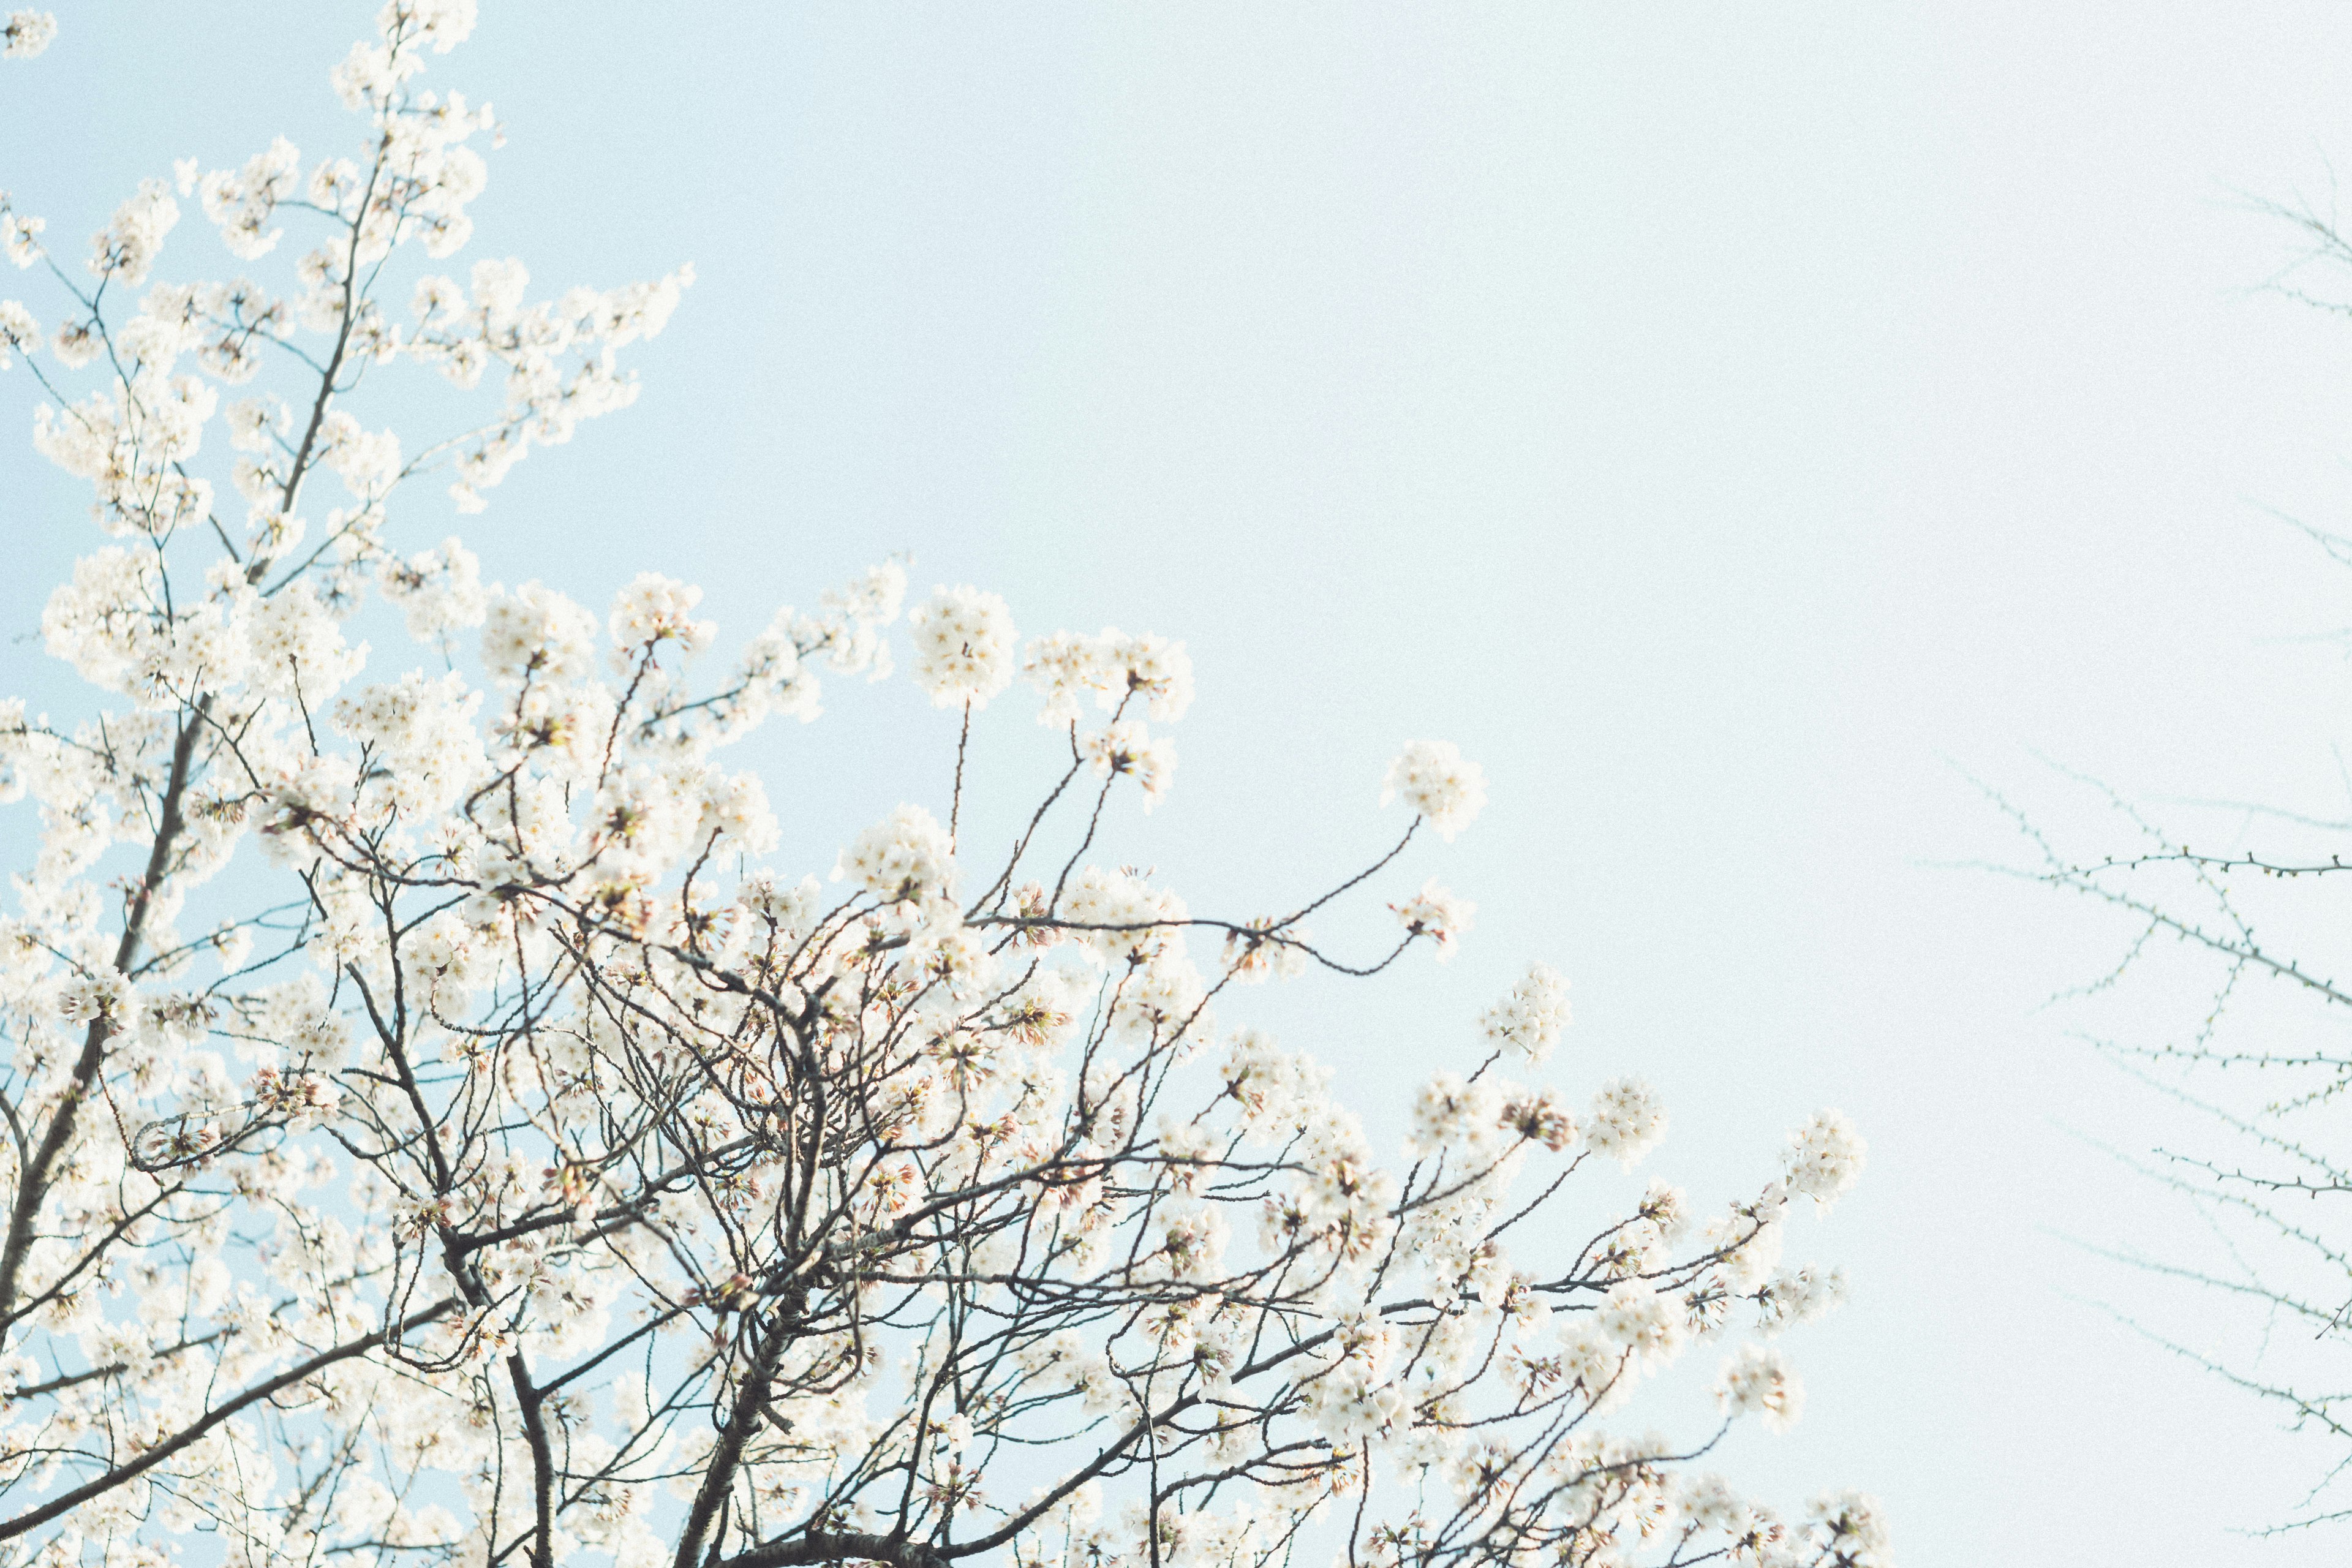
{"x":1727,"y":424}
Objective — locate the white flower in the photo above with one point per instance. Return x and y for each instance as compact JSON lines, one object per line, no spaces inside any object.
{"x":1448,"y":1112}
{"x":1746,"y":1242}
{"x":232,"y":945}
{"x":18,"y":330}
{"x":126,"y":250}
{"x":964,"y":646}
{"x":1114,"y":667}
{"x":1539,"y":1117}
{"x":1530,"y":1018}
{"x":1668,"y":1208}
{"x":654,"y":609}
{"x":367,"y":461}
{"x":422,"y":733}
{"x":1756,"y":1380}
{"x":1851,"y":1526}
{"x":1436,"y":914}
{"x":1591,"y":1358}
{"x":292,"y":641}
{"x":443,"y":24}
{"x":251,"y":422}
{"x":1132,"y":922}
{"x":1801,"y":1295}
{"x":793,"y":909}
{"x":436,"y":301}
{"x":1627,"y":1121}
{"x":1438,"y":787}
{"x":1156,"y":668}
{"x":498,"y":287}
{"x":437,"y":591}
{"x":538,"y":633}
{"x":77,"y":343}
{"x":1642,"y":1321}
{"x":1063,"y":666}
{"x":20,"y":237}
{"x":1709,"y":1504}
{"x":1825,"y":1158}
{"x":26,"y":34}
{"x":1127,"y":748}
{"x":1260,"y":951}
{"x":905,"y":855}
{"x":849,"y":627}
{"x":89,"y":997}
{"x":735,"y":807}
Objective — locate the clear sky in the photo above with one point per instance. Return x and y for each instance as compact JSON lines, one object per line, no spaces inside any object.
{"x":1725,"y":421}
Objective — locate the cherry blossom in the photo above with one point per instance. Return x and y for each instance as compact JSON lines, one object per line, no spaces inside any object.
{"x":27,"y":33}
{"x":454,"y":1121}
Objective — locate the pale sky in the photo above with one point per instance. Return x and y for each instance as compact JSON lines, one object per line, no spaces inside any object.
{"x":1727,"y":422}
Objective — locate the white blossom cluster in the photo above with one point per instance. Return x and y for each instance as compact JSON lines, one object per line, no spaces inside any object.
{"x":1530,"y":1018}
{"x":1126,"y":748}
{"x":1437,"y":914}
{"x":1756,"y":1381}
{"x":904,"y":858}
{"x":1825,"y":1158}
{"x":27,"y":33}
{"x":1441,"y":788}
{"x":452,"y":1123}
{"x":964,"y":646}
{"x":1116,"y":667}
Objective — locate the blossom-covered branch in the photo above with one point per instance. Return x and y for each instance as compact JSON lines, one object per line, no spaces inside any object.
{"x":524,"y":1155}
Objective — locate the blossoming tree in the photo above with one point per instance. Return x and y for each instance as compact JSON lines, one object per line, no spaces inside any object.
{"x":511,"y":1164}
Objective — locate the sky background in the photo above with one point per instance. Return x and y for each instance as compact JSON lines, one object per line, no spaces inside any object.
{"x":1734,"y":425}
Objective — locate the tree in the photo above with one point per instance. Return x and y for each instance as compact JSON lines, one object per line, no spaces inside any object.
{"x":2231,"y":927}
{"x":582,"y":1184}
